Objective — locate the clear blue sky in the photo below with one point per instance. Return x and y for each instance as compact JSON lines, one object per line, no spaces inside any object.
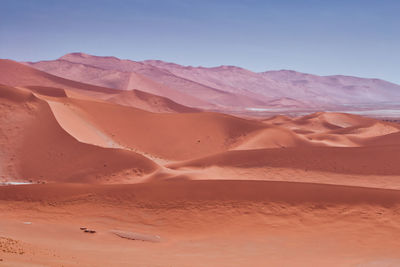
{"x":352,"y":37}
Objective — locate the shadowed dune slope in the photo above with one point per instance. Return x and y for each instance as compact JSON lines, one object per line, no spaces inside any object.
{"x":47,"y":91}
{"x":37,"y":148}
{"x":357,"y":160}
{"x":167,"y":192}
{"x":392,"y":139}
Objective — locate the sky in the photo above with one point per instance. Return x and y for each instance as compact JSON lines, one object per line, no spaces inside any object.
{"x":349,"y":37}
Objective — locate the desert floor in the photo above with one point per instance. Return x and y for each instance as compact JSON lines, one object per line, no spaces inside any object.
{"x":167,"y":185}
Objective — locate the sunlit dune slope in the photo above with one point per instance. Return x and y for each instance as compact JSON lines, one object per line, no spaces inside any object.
{"x":149,"y":102}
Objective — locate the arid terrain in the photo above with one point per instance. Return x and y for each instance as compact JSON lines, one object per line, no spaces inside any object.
{"x":170,"y":168}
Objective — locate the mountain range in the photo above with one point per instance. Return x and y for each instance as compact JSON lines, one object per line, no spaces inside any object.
{"x":225,"y":88}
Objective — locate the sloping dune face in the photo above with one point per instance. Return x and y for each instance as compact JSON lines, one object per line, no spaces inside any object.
{"x":36,"y":147}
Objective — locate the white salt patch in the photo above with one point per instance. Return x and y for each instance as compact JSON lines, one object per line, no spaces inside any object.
{"x":14,"y":183}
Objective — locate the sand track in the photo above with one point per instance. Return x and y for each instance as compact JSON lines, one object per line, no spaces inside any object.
{"x":360,"y":160}
{"x":162,"y":193}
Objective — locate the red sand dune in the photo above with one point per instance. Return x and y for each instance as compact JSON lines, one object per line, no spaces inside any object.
{"x":42,"y":150}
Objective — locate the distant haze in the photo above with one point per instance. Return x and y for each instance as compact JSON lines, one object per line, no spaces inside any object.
{"x":357,"y":37}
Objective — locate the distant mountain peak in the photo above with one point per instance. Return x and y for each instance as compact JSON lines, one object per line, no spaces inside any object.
{"x":75,"y":54}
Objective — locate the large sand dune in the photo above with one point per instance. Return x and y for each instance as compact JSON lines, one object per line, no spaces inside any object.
{"x":37,"y":148}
